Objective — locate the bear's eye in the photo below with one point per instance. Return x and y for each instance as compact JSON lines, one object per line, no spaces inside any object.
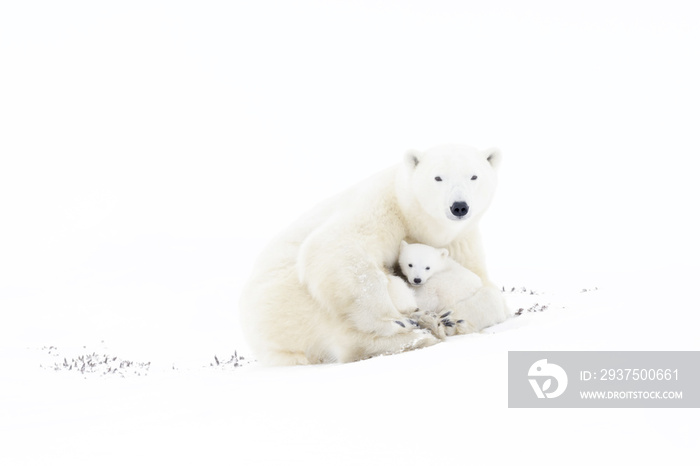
{"x":474,"y":177}
{"x":410,"y":265}
{"x":427,"y":268}
{"x":437,"y":178}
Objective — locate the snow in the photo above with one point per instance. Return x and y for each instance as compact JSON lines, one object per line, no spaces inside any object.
{"x":150,"y":150}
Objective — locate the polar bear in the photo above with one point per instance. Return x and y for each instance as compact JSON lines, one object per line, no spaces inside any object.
{"x":319,"y":291}
{"x":442,"y":287}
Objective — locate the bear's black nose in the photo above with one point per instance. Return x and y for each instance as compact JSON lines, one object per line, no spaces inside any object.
{"x":459,"y":209}
{"x":417,"y":280}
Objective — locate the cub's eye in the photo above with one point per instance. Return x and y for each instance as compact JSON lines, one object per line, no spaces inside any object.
{"x":474,"y":177}
{"x":427,"y":268}
{"x":437,"y":178}
{"x":410,"y":265}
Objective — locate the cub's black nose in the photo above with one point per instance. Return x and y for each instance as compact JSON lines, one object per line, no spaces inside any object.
{"x":417,"y":280}
{"x":459,"y":209}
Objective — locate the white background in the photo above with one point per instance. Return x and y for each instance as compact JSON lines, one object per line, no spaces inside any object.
{"x":148,"y":151}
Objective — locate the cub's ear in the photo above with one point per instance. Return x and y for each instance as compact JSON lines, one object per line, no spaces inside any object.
{"x":444,"y":253}
{"x":493,"y":156}
{"x":403,"y":245}
{"x":412,"y":158}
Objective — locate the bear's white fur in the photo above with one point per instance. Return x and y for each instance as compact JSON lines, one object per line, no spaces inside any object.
{"x":442,"y":286}
{"x":319,"y":292}
{"x":402,"y":295}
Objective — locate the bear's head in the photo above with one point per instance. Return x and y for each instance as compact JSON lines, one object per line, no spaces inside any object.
{"x":419,"y":262}
{"x":451,"y":183}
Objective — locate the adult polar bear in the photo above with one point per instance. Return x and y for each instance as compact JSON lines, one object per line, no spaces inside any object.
{"x":319,"y":293}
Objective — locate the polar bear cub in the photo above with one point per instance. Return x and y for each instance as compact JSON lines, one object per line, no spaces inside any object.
{"x":438,"y":282}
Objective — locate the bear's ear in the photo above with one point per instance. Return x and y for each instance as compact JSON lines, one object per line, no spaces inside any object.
{"x":444,"y":253}
{"x":403,"y":245}
{"x":493,"y":156}
{"x":412,"y":158}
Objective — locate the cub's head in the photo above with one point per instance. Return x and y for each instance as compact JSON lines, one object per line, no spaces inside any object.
{"x":451,"y":183}
{"x":419,"y":262}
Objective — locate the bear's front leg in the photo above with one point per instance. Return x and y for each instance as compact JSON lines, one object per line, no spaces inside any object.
{"x":348,"y":282}
{"x":372,"y":310}
{"x":486,"y":306}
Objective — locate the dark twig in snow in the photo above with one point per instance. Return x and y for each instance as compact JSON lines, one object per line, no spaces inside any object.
{"x":534,"y":308}
{"x":97,"y":364}
{"x":234,"y":361}
{"x":521,"y":290}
